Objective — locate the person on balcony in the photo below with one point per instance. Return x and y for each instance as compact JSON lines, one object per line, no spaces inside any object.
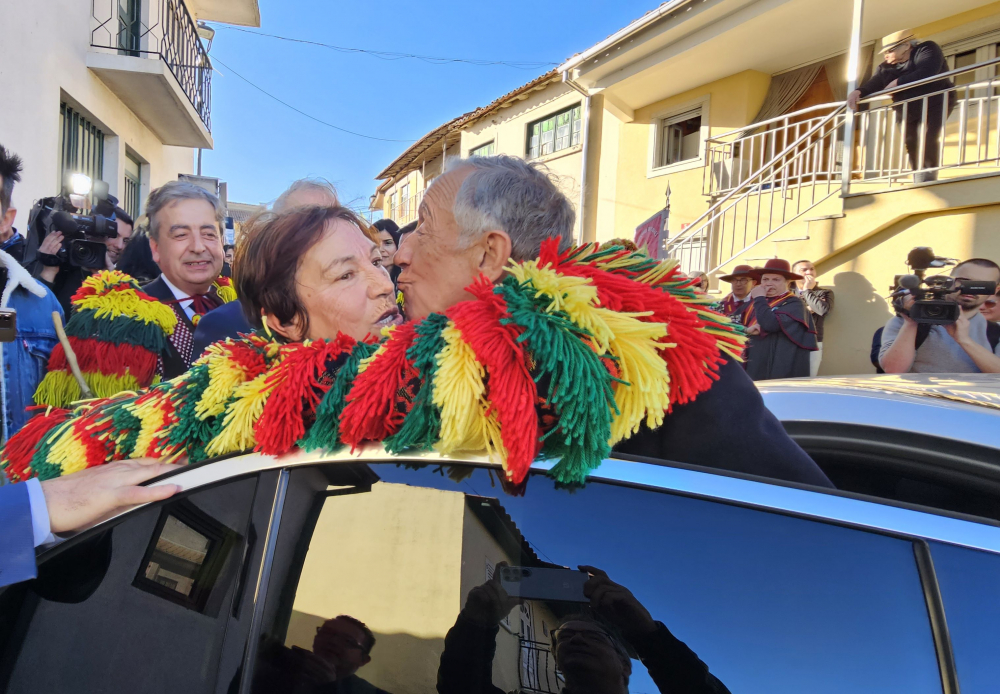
{"x":781,"y":331}
{"x":909,"y":60}
{"x":736,"y":304}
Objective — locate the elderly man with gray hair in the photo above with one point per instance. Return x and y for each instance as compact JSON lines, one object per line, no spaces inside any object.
{"x":229,"y":320}
{"x":484,"y":211}
{"x":185,"y":237}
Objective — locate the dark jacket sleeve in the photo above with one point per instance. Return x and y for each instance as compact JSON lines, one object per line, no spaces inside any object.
{"x":925,"y":62}
{"x":728,"y":427}
{"x":876,"y":82}
{"x":789,"y":318}
{"x":819,"y":300}
{"x":467,"y":660}
{"x":674,"y":667}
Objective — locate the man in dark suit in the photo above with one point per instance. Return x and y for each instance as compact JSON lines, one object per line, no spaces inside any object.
{"x":507,"y":208}
{"x":30,"y":512}
{"x":185,"y":238}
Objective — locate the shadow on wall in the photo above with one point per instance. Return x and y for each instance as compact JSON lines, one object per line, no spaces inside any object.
{"x":847,"y":333}
{"x":401,"y":663}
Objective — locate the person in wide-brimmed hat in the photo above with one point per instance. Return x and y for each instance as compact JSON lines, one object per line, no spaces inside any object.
{"x":736,"y":304}
{"x":906,"y":60}
{"x":780,"y":328}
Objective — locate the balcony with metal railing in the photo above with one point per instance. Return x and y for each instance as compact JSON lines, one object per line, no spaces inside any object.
{"x":405,"y":211}
{"x":150,"y":55}
{"x":537,"y":668}
{"x":764,"y":177}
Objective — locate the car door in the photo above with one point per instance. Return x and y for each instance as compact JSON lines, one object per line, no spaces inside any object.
{"x":774,"y":589}
{"x":144,"y":603}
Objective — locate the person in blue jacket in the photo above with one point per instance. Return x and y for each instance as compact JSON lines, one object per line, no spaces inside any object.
{"x":23,"y":359}
{"x":32,"y":512}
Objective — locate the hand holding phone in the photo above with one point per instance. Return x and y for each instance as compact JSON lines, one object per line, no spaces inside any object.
{"x":532,"y":583}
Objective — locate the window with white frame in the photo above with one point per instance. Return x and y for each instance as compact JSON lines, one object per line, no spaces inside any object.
{"x":968,"y":52}
{"x":485,"y":150}
{"x":554,"y":133}
{"x":678,"y":138}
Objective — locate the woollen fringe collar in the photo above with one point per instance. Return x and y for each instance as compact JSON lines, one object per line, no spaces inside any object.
{"x":564,"y":358}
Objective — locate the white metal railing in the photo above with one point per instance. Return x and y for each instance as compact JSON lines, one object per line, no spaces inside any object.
{"x":732,"y":157}
{"x":899,"y":138}
{"x":767,"y":175}
{"x":784,"y":188}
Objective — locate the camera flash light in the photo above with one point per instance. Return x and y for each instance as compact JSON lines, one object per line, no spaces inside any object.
{"x":80,"y":184}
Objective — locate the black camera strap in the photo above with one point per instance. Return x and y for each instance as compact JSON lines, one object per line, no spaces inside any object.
{"x":923,"y":330}
{"x":992,"y":334}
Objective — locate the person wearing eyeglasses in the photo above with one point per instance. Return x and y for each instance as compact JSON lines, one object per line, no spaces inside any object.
{"x":342,"y":646}
{"x":591,"y":651}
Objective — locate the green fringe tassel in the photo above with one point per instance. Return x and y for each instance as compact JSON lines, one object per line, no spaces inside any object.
{"x":86,"y":324}
{"x":325,"y":432}
{"x":422,"y":427}
{"x":191,"y":432}
{"x":579,"y":386}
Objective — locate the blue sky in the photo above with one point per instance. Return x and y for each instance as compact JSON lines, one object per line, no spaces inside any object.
{"x":261,"y":146}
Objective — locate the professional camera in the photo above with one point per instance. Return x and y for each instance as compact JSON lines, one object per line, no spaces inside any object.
{"x":83,"y":234}
{"x":932,"y":305}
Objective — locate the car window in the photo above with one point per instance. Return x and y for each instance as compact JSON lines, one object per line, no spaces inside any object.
{"x":766,"y":602}
{"x":970,"y":589}
{"x":140,"y":607}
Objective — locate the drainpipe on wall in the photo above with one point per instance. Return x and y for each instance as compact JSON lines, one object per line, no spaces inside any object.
{"x":585,"y":127}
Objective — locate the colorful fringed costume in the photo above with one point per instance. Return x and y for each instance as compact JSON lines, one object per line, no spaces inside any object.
{"x":118,"y":334}
{"x":565,"y":357}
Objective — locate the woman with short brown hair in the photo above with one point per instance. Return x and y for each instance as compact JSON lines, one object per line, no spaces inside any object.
{"x":310,"y":272}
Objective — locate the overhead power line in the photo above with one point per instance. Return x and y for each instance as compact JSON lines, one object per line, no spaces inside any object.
{"x":215,"y":59}
{"x":392,"y":55}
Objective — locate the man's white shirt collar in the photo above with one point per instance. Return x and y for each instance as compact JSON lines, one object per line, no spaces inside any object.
{"x":178,"y":294}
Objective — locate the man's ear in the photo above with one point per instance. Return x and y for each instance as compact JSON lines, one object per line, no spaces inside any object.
{"x":496,"y":249}
{"x":154,"y":248}
{"x":290,"y":331}
{"x":7,"y":221}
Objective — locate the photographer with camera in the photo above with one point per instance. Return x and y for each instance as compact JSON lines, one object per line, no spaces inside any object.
{"x":940,"y":329}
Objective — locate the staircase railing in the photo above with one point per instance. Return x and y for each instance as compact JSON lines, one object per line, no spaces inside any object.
{"x":797,"y":178}
{"x":764,"y":176}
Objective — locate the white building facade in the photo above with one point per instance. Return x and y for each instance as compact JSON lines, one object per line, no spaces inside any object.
{"x":117,"y":89}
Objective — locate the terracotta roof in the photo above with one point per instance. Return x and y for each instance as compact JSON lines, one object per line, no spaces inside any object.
{"x":450,"y":130}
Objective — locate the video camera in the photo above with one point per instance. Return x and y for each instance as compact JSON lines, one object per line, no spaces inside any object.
{"x":83,"y":234}
{"x":932,"y":305}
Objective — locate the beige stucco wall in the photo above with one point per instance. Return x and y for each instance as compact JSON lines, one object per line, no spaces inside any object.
{"x":507,"y":128}
{"x":42,"y":62}
{"x":639,"y":193}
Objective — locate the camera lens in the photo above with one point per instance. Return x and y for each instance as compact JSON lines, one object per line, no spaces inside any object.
{"x":87,"y":254}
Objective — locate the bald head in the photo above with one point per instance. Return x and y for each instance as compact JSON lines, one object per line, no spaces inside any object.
{"x":307,"y":191}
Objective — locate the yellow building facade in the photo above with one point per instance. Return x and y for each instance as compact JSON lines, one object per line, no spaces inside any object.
{"x":711,"y":98}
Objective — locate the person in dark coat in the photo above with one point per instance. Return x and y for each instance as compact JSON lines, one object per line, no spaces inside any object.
{"x":228,"y":320}
{"x":736,"y":304}
{"x":185,"y":239}
{"x":908,"y":60}
{"x":589,"y":653}
{"x":781,"y":330}
{"x":440,"y":260}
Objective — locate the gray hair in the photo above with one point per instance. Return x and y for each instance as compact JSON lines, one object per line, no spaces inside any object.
{"x":173,"y":191}
{"x":515,"y":196}
{"x":319,"y":185}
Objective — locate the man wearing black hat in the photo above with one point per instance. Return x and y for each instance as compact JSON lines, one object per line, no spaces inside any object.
{"x":738,"y":302}
{"x":781,"y":332}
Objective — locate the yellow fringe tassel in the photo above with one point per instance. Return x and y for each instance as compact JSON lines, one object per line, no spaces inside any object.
{"x":115,"y":297}
{"x":57,"y":389}
{"x":237,"y":428}
{"x":458,"y":393}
